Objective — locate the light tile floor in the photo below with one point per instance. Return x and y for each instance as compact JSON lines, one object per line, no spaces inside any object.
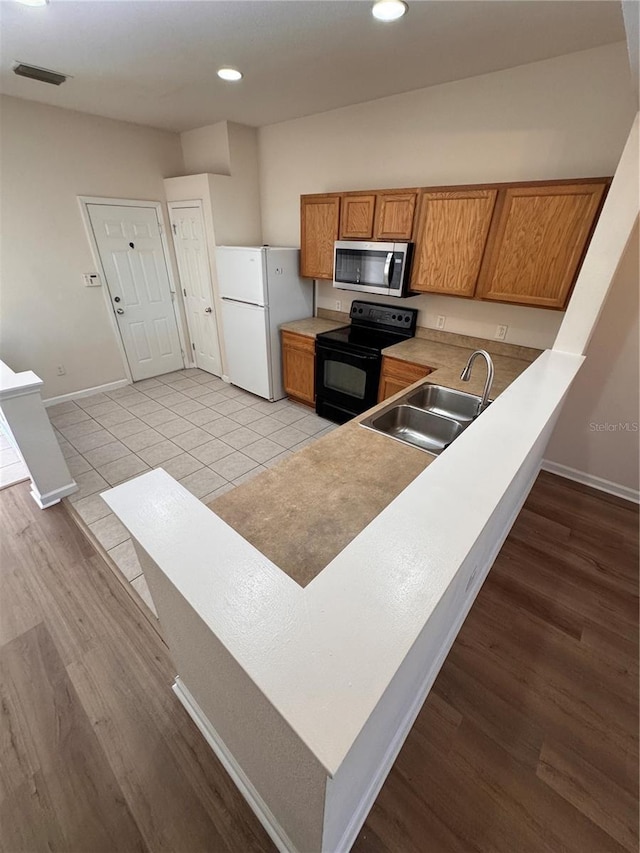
{"x":209,"y":435}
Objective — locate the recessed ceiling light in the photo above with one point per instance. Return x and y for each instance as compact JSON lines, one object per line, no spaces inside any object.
{"x":389,"y":10}
{"x":231,"y":74}
{"x":33,"y":2}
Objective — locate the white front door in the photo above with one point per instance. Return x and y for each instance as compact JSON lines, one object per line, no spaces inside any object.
{"x":134,"y":263}
{"x":187,"y":224}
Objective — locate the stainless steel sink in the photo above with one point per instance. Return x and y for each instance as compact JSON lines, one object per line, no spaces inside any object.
{"x":420,"y":428}
{"x":429,"y":417}
{"x":446,"y":402}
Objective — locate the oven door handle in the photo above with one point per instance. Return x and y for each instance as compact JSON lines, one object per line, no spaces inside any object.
{"x":328,"y":350}
{"x":388,"y":269}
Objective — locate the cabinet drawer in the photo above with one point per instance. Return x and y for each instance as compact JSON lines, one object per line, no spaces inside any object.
{"x":302,"y":342}
{"x":397,"y":375}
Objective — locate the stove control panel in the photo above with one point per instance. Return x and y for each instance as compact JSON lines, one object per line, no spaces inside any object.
{"x":387,"y":316}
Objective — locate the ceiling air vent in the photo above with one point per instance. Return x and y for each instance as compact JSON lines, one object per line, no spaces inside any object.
{"x":42,"y":74}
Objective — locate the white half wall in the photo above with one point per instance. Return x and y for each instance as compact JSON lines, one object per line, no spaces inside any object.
{"x":49,"y":157}
{"x":566,"y":117}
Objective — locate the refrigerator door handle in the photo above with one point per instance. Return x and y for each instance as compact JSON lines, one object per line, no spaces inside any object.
{"x":242,"y":302}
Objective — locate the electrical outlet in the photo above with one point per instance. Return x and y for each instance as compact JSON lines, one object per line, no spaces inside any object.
{"x":338,"y":305}
{"x":60,"y":370}
{"x":440,"y":321}
{"x":501,"y":333}
{"x":91,"y":279}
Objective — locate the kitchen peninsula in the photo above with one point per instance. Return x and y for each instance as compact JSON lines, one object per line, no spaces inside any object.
{"x":307,"y":693}
{"x":326,"y":494}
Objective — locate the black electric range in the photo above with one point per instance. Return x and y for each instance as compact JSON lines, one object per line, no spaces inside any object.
{"x":348,"y":359}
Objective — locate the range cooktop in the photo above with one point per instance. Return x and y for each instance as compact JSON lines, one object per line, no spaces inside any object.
{"x":373,"y":328}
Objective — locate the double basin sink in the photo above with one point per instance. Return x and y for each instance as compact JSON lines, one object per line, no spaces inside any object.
{"x":429,"y":417}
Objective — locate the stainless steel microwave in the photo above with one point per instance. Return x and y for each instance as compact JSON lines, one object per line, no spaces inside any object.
{"x":382,"y":268}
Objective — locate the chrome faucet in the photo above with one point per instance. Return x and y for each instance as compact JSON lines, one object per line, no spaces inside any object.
{"x":466,"y":375}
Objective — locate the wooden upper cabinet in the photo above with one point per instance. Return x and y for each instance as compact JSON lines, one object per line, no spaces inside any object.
{"x":394,"y":216}
{"x":319,"y":220}
{"x":356,"y":220}
{"x":538,"y":242}
{"x":450,"y":237}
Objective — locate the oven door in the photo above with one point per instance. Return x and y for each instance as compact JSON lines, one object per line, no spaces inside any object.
{"x":346,"y":382}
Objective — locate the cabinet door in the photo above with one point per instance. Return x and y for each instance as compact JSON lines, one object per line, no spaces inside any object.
{"x":396,"y":375}
{"x":450,"y":240}
{"x":538,"y":243}
{"x":319,"y":218}
{"x":356,"y":222}
{"x":298,"y":367}
{"x":394,"y":216}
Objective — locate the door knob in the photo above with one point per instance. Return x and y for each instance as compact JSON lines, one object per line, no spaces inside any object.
{"x":207,"y":310}
{"x":119,"y":310}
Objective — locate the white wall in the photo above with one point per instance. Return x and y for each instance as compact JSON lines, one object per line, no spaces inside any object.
{"x":206,"y":149}
{"x":595,"y":433}
{"x":561,"y":118}
{"x":49,"y":156}
{"x":237,"y":210}
{"x":228,"y":153}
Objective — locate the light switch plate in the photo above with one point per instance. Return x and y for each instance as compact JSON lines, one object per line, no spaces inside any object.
{"x":91,"y":279}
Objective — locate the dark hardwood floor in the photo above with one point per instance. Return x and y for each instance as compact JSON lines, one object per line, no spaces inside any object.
{"x":528,"y":741}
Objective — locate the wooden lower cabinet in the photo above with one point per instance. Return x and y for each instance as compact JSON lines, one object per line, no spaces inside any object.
{"x":396,"y":375}
{"x":298,"y":367}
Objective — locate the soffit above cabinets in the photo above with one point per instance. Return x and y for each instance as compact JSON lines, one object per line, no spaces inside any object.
{"x":155,"y":63}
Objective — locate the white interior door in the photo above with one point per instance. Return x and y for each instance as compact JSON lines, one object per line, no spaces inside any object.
{"x":187,"y":224}
{"x":133,"y":260}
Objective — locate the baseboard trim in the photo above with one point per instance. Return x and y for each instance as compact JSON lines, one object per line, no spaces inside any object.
{"x":54,"y":496}
{"x":242,"y":783}
{"x":599,"y":483}
{"x":86,"y":392}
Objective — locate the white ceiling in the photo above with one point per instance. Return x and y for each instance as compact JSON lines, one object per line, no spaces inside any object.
{"x":154,"y":61}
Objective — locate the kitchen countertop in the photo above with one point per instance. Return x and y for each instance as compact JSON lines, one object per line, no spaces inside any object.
{"x":447,"y":362}
{"x":312,"y":326}
{"x":327,"y":493}
{"x":322,"y":496}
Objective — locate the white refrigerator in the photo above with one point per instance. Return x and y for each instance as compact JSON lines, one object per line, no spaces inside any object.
{"x":260,"y":288}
